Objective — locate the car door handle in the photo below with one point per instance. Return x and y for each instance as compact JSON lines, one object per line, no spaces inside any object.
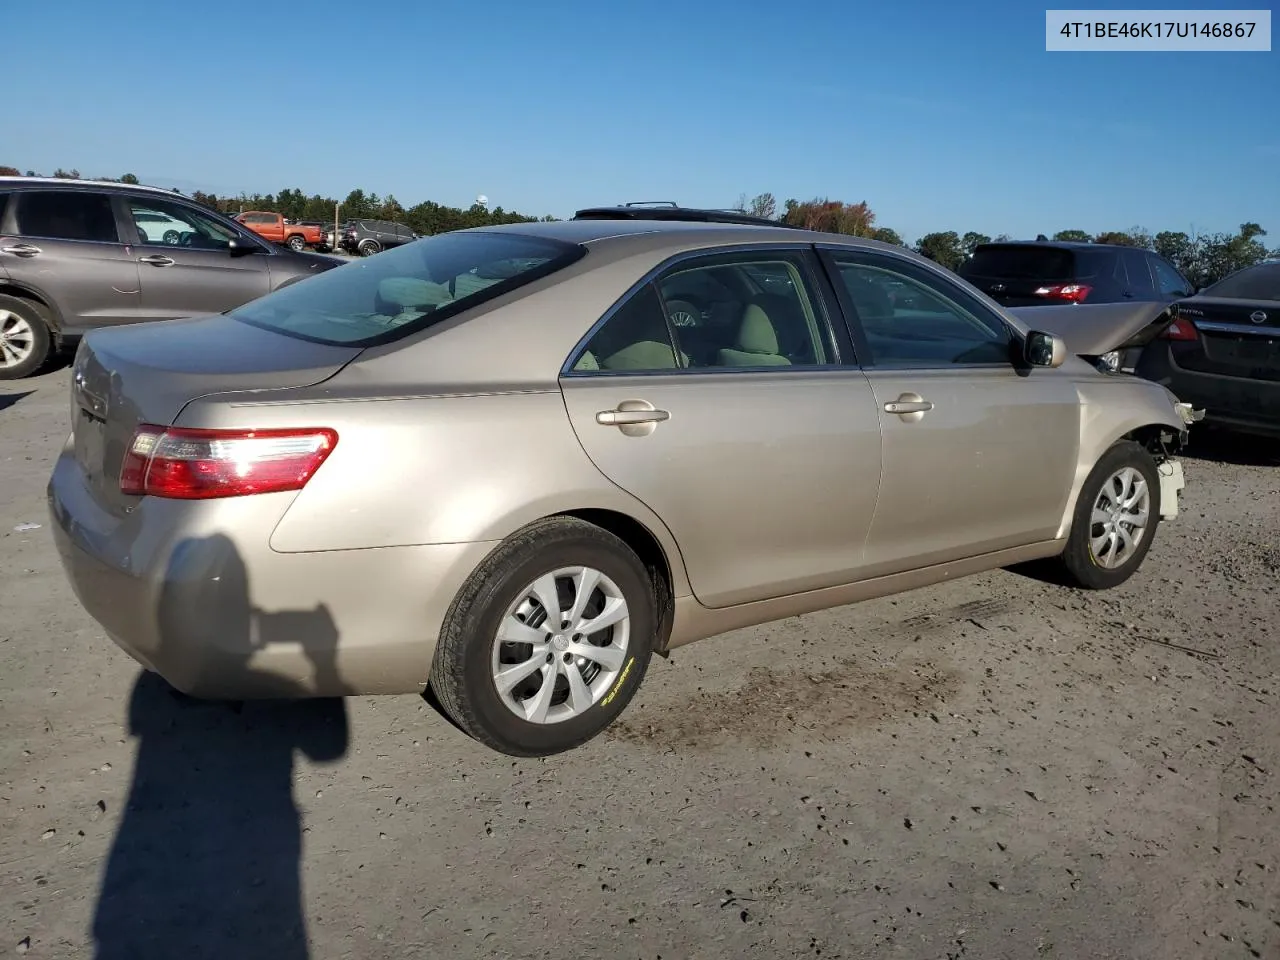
{"x":621,"y":417}
{"x":157,"y":260}
{"x":23,"y":250}
{"x":908,"y":403}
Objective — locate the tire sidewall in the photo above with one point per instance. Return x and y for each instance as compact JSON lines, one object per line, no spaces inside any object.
{"x":500,"y":591}
{"x":43,"y":338}
{"x":368,"y":248}
{"x":296,"y":244}
{"x":1079,"y":558}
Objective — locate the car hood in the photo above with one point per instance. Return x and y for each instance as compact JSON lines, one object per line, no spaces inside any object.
{"x":1091,"y":330}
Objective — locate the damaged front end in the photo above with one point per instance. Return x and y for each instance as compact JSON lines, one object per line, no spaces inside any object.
{"x":1111,"y":336}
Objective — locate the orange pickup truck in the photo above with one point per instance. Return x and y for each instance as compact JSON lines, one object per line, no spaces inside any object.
{"x":272,"y":227}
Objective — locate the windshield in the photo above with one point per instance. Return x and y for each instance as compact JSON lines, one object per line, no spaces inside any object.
{"x":392,"y":294}
{"x":1259,"y":282}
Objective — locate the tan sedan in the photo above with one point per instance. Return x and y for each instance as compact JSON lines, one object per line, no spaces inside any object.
{"x":514,"y":463}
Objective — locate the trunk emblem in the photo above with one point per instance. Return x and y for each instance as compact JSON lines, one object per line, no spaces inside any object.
{"x":89,"y":401}
{"x":1258,"y":316}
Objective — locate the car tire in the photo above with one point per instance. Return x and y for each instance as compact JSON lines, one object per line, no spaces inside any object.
{"x":1096,"y":556}
{"x":296,"y":243}
{"x":536,"y":715}
{"x":368,"y":248}
{"x":25,"y":339}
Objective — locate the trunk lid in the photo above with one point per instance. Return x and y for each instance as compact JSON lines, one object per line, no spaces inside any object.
{"x":1238,"y":338}
{"x":148,"y":372}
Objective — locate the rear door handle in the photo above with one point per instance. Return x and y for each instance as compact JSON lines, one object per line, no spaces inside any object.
{"x":23,"y":250}
{"x":911,"y":407}
{"x":157,"y":260}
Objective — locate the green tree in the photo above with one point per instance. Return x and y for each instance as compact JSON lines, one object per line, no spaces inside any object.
{"x":763,"y":205}
{"x":1223,"y":254}
{"x":887,"y":235}
{"x":942,"y":248}
{"x":971,"y":241}
{"x":129,"y":178}
{"x":1073,"y":236}
{"x":10,"y":172}
{"x":1180,"y":250}
{"x":72,"y":174}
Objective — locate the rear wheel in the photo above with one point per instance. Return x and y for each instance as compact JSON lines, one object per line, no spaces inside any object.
{"x":1115,"y":519}
{"x":25,"y":340}
{"x":296,"y":243}
{"x":548,"y":640}
{"x":369,"y":247}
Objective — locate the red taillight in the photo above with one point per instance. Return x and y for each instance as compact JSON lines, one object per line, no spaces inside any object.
{"x":185,"y":464}
{"x":1072,"y":292}
{"x":1180,"y":329}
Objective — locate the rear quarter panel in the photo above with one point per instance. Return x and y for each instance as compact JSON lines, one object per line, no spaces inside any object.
{"x":435,"y":469}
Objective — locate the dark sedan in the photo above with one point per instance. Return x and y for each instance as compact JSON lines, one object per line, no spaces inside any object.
{"x":1223,"y":351}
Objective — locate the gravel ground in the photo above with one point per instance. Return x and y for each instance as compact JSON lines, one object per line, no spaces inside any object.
{"x":990,"y":768}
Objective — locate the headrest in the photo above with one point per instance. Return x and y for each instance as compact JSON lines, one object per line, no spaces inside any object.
{"x":756,"y":334}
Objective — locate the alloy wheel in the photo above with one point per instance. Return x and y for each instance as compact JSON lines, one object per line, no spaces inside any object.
{"x":17,"y":339}
{"x":561,"y":645}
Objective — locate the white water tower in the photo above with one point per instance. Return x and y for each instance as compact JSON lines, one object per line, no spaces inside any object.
{"x":482,"y":201}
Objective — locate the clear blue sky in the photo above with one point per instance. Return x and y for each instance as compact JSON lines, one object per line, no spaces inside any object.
{"x":940,"y":115}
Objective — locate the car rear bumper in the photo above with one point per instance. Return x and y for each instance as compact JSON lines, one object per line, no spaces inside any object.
{"x":1235,"y":403}
{"x":219,"y":614}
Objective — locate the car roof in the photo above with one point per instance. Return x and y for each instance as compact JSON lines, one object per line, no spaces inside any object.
{"x":1057,"y":245}
{"x":83,"y":184}
{"x":625,"y":235}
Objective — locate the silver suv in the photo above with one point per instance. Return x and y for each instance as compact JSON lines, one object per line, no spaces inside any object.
{"x":76,"y":255}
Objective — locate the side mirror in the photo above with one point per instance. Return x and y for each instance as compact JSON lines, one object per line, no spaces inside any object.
{"x":239,"y":248}
{"x":1044,"y":349}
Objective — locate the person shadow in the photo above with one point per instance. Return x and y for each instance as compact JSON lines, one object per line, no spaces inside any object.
{"x":206,"y":861}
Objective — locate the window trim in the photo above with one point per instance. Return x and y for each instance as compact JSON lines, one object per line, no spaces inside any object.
{"x":10,"y":223}
{"x":823,"y":298}
{"x":946,"y":287}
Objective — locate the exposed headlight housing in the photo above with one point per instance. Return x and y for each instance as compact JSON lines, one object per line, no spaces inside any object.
{"x":1188,"y":413}
{"x":1109,"y":362}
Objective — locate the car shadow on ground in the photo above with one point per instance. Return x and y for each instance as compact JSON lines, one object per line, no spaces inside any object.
{"x":7,"y":400}
{"x":206,"y":859}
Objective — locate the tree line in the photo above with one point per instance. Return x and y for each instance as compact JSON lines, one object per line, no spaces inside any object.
{"x":1203,"y":259}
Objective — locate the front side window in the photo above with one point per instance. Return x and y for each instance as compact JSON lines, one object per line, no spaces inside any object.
{"x":408,"y":288}
{"x":725,"y":312}
{"x":66,"y":215}
{"x":910,"y":319}
{"x":162,"y":222}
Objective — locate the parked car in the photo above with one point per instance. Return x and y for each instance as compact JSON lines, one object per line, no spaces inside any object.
{"x":1222,"y":351}
{"x":490,"y":462}
{"x":275,"y":228}
{"x":75,"y":255}
{"x":1037,"y":272}
{"x":367,"y":237}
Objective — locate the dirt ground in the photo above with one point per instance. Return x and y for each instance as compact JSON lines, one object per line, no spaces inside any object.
{"x":991,"y":768}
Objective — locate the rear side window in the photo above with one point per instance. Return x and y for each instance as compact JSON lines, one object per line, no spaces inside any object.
{"x":1135,"y":264}
{"x":408,"y":288}
{"x":1021,"y":263}
{"x":66,"y":215}
{"x":1168,"y":280}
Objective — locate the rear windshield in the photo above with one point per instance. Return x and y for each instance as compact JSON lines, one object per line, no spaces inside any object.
{"x":1021,"y":263}
{"x":1260,"y":282}
{"x":400,"y":291}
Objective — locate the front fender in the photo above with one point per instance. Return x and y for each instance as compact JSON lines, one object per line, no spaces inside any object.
{"x":1111,"y":409}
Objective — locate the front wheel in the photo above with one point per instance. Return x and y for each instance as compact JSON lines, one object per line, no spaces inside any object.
{"x":1115,"y":519}
{"x":548,"y":640}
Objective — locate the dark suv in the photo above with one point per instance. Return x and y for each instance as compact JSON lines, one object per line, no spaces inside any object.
{"x":1035,"y":272}
{"x":367,"y":237}
{"x":77,"y":254}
